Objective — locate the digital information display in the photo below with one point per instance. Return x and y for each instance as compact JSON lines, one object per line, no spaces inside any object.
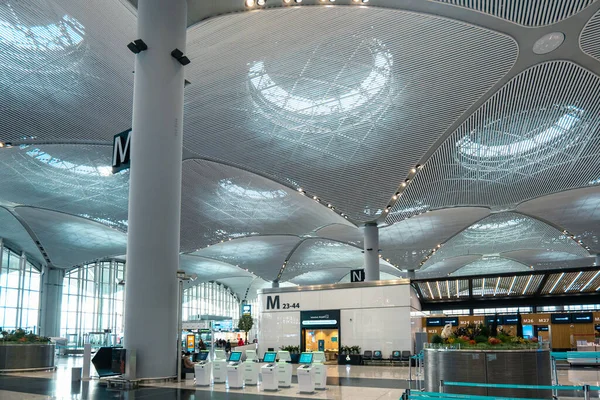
{"x":452,"y":321}
{"x":582,"y":318}
{"x":202,"y":356}
{"x":305,"y":358}
{"x":510,"y":319}
{"x":235,"y":356}
{"x":269,"y":357}
{"x":434,"y":322}
{"x":561,"y":318}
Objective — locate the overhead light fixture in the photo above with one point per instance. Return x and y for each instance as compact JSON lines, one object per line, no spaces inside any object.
{"x":413,"y":170}
{"x":261,"y":2}
{"x":365,"y":1}
{"x":298,"y":1}
{"x":249,"y":3}
{"x":179,"y":56}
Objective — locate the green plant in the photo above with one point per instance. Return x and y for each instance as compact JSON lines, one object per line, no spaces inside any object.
{"x":19,"y":336}
{"x":437,"y":339}
{"x":481,"y":339}
{"x":355,"y":350}
{"x":291,"y":349}
{"x":245,"y":324}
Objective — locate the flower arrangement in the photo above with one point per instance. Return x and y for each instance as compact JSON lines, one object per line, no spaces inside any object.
{"x":479,"y":337}
{"x":19,"y":336}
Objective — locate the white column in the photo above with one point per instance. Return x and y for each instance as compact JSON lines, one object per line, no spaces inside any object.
{"x":51,"y":301}
{"x":371,"y":235}
{"x":155,"y":190}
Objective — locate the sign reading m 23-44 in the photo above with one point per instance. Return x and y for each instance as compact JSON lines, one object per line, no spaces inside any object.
{"x":273,"y":303}
{"x":121,"y":151}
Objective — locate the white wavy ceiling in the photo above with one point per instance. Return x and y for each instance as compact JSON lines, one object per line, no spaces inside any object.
{"x":366,"y":94}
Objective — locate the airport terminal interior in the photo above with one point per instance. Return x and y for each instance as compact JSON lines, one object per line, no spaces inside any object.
{"x":329,"y":199}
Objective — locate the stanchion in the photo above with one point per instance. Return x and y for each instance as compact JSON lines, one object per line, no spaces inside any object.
{"x":442,"y":386}
{"x":586,"y":392}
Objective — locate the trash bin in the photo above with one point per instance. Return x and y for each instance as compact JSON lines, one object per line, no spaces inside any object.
{"x":76,"y":374}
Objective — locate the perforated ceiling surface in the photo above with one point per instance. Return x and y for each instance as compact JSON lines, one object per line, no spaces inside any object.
{"x":206,"y":269}
{"x":446,"y":266}
{"x":262,"y":255}
{"x":359,"y":85}
{"x":64,"y":69}
{"x":407,"y":242}
{"x":589,"y":40}
{"x":220,"y":202}
{"x":525,"y":12}
{"x":71,"y":240}
{"x":343,"y":233}
{"x":502,"y":233}
{"x":491,"y":265}
{"x":577,"y":211}
{"x":14,"y":236}
{"x":75,"y":179}
{"x":537,"y":135}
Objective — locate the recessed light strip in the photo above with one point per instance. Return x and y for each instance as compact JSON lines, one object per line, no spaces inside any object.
{"x":527,"y":286}
{"x":556,"y":283}
{"x":574,"y":280}
{"x":590,"y":281}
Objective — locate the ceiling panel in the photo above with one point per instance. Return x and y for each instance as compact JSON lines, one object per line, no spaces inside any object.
{"x":446,"y":266}
{"x":542,"y":259}
{"x":207,"y":269}
{"x":220,"y":202}
{"x":262,"y":255}
{"x":589,"y":40}
{"x":71,"y":240}
{"x":490,"y":265}
{"x":537,"y":135}
{"x":360,"y":84}
{"x":525,"y":12}
{"x":62,"y":75}
{"x":506,"y":232}
{"x":577,"y":211}
{"x":407,"y":242}
{"x":75,"y":179}
{"x":343,"y":233}
{"x":15,"y":237}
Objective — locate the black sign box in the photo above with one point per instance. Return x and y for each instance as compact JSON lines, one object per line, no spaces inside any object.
{"x":561,"y":318}
{"x":582,"y":318}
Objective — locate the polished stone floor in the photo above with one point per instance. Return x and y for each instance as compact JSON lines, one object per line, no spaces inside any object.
{"x":344,"y":382}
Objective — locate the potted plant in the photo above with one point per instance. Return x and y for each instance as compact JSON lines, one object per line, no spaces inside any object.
{"x":25,"y":351}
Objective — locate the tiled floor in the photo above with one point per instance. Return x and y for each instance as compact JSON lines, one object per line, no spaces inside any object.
{"x":344,"y":382}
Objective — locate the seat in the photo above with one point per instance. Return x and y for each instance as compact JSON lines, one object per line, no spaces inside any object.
{"x":396,"y":356}
{"x":405,"y":357}
{"x":377,"y":356}
{"x":367,"y":356}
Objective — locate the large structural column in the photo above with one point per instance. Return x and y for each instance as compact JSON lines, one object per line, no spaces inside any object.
{"x":155,"y":191}
{"x":411,"y":274}
{"x":371,"y":235}
{"x":51,"y":301}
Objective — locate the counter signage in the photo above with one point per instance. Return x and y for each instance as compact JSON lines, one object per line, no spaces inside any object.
{"x":543,"y":329}
{"x":582,"y":318}
{"x":320,"y":319}
{"x":434,"y":322}
{"x":561,"y":318}
{"x":452,"y":321}
{"x":490,"y":320}
{"x":597,"y":327}
{"x":510,"y":319}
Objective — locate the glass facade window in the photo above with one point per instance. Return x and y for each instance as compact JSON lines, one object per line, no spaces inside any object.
{"x":210,"y":299}
{"x":507,"y":310}
{"x":19,"y":292}
{"x":92,"y":301}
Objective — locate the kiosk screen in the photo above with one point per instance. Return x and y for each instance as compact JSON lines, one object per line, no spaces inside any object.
{"x":202,"y":356}
{"x":306,"y":358}
{"x":235,"y":356}
{"x":270,"y":357}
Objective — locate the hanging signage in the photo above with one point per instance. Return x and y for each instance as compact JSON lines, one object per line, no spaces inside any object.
{"x":489,"y":320}
{"x":582,"y":318}
{"x":121,"y":151}
{"x":450,"y":320}
{"x":597,"y":327}
{"x":357,"y":275}
{"x":434,"y":322}
{"x":320,"y":319}
{"x":561,"y":318}
{"x":246,"y":309}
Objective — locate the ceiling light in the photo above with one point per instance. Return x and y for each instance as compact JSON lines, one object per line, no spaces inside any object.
{"x":315,"y":198}
{"x":298,"y":1}
{"x":249,"y":3}
{"x":403,"y":184}
{"x":527,"y":286}
{"x":365,"y":1}
{"x":590,"y":281}
{"x":300,"y":190}
{"x":329,"y":205}
{"x":556,"y":283}
{"x":287,"y":1}
{"x":548,"y":43}
{"x":261,"y":2}
{"x":413,"y":170}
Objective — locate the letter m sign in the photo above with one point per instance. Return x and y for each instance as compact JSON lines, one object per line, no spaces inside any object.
{"x":273,"y":303}
{"x":357,"y":275}
{"x":121,"y":151}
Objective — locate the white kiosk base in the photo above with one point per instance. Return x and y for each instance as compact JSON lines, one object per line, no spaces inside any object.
{"x":284,"y":375}
{"x":203,"y":372}
{"x":306,"y":378}
{"x":235,"y":376}
{"x":219,"y":371}
{"x":320,"y":372}
{"x":251,"y":370}
{"x":269,"y":377}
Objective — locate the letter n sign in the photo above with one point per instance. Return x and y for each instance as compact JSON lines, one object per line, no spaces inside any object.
{"x":121,"y":151}
{"x":357,"y":275}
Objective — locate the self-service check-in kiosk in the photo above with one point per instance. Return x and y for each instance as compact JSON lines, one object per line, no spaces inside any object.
{"x":220,"y":367}
{"x":269,"y":372}
{"x":320,"y":370}
{"x":235,"y":370}
{"x":251,"y":368}
{"x":306,"y":373}
{"x":284,"y":369}
{"x":203,"y":369}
